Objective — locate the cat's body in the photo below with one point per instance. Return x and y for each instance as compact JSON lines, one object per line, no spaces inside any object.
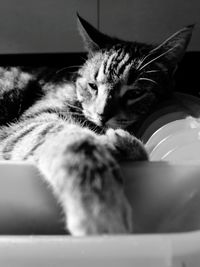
{"x":79,"y":164}
{"x":61,"y":129}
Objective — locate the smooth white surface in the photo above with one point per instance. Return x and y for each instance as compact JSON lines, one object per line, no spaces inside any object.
{"x":172,"y":250}
{"x":27,"y":205}
{"x":118,"y":251}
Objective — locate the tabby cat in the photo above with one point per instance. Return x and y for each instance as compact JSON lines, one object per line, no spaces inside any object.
{"x":73,"y":131}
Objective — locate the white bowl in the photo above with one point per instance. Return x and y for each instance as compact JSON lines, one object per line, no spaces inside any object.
{"x":165,"y":199}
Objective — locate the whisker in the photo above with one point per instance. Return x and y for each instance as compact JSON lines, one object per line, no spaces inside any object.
{"x":155,"y":49}
{"x":76,"y":110}
{"x":147,"y":79}
{"x":142,"y":60}
{"x":68,"y":67}
{"x":71,"y":72}
{"x":85,"y":59}
{"x":75,"y":113}
{"x":102,"y":131}
{"x":99,"y":130}
{"x":94,"y":128}
{"x":165,"y":42}
{"x":72,"y":106}
{"x":148,"y":55}
{"x":84,"y":123}
{"x":152,"y":71}
{"x":154,"y":59}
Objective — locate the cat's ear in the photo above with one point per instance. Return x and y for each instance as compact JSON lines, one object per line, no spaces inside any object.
{"x":175,"y":46}
{"x":92,"y":38}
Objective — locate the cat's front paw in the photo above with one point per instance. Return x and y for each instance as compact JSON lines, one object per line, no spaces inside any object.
{"x":127,"y":146}
{"x":99,"y":205}
{"x":97,"y":216}
{"x":92,"y":195}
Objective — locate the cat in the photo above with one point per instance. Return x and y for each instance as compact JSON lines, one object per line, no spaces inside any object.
{"x":77,"y":132}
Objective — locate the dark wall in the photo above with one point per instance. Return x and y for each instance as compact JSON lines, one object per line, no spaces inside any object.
{"x":34,"y":26}
{"x":29,"y":26}
{"x":150,"y":20}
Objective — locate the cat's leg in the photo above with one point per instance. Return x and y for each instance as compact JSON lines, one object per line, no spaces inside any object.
{"x":125,"y":146}
{"x":87,"y":182}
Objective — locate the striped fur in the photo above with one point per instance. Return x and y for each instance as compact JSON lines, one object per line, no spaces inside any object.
{"x":62,"y":130}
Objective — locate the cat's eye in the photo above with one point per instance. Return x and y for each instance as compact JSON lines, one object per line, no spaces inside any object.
{"x":93,"y":86}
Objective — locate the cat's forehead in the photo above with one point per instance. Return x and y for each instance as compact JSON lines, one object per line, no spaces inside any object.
{"x":92,"y":65}
{"x":112,"y":65}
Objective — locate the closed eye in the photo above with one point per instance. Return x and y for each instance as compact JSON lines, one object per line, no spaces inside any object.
{"x":132,"y":94}
{"x":138,"y":99}
{"x":93,"y":86}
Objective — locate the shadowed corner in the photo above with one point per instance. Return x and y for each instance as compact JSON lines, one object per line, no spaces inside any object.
{"x":27,"y":205}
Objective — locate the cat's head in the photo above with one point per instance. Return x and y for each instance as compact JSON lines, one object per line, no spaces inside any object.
{"x":120,"y":81}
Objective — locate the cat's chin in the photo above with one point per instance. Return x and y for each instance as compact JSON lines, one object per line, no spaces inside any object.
{"x":116,"y":125}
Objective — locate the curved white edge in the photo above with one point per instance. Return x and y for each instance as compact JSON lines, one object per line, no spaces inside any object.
{"x":109,"y":251}
{"x":137,"y":250}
